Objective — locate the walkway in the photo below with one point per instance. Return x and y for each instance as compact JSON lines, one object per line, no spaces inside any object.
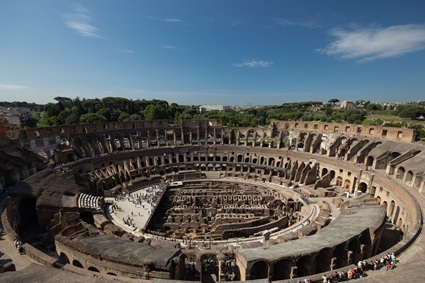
{"x":8,"y":251}
{"x":133,"y":212}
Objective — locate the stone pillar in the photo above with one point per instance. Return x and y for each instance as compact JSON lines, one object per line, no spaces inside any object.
{"x":221,"y":259}
{"x":371,"y":181}
{"x":294,"y":272}
{"x":349,"y":257}
{"x":148,"y":139}
{"x":362,"y":251}
{"x":333,"y":263}
{"x":157,"y":137}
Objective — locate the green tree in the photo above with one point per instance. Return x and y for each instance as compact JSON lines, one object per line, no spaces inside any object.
{"x":92,"y":118}
{"x":154,"y":112}
{"x":333,"y":101}
{"x":135,"y":117}
{"x":412,"y":112}
{"x":74,"y":118}
{"x":44,"y":120}
{"x":123,"y":117}
{"x":374,"y":106}
{"x":32,"y":121}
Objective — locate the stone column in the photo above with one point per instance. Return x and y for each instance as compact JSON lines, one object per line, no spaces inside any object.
{"x":294,"y":272}
{"x":333,"y":263}
{"x":349,"y":257}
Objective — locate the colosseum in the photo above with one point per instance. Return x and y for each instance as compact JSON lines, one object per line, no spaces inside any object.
{"x":148,"y":202}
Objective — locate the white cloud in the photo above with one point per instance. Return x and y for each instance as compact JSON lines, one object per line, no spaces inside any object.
{"x":369,"y":44}
{"x":312,"y":23}
{"x":12,"y":87}
{"x":170,"y":47}
{"x":80,"y":20}
{"x":126,"y":50}
{"x":253,"y":64}
{"x":173,"y":21}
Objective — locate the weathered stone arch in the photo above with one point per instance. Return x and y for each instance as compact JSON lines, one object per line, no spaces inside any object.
{"x":369,"y":160}
{"x":324,"y":259}
{"x":306,"y":265}
{"x":64,"y":258}
{"x":77,"y":263}
{"x":409,"y":177}
{"x":391,"y":208}
{"x":282,"y":269}
{"x":94,"y":269}
{"x":362,"y":187}
{"x":259,"y":270}
{"x":400,"y":173}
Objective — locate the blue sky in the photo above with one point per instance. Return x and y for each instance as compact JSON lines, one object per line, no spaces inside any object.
{"x":213,"y":52}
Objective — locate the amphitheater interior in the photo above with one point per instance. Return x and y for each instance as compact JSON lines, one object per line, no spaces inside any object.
{"x":146,"y":201}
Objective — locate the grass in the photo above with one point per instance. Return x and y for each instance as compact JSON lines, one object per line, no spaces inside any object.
{"x":388,"y":118}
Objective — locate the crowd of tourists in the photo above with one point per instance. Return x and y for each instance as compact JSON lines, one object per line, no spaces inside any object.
{"x":388,"y":262}
{"x":151,"y":195}
{"x":147,"y":198}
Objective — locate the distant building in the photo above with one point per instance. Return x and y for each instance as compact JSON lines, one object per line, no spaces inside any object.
{"x":347,"y":105}
{"x":8,"y":130}
{"x":211,"y":107}
{"x":16,"y":115}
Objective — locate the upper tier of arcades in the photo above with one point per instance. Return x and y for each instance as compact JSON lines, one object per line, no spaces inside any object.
{"x":389,"y":149}
{"x":383,"y":133}
{"x":159,"y":133}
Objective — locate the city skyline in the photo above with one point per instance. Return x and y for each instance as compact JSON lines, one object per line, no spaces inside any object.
{"x":213,"y":52}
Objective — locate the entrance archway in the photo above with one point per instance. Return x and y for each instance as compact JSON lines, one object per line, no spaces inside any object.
{"x":259,"y":270}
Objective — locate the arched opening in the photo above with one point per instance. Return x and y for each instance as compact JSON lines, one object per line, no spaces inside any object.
{"x":340,"y":255}
{"x":282,"y":270}
{"x":28,"y":226}
{"x":339,"y":181}
{"x":77,"y":263}
{"x":400,"y":173}
{"x":63,"y":258}
{"x":362,"y":187}
{"x":306,"y":266}
{"x":87,"y":216}
{"x":409,"y":177}
{"x":396,"y":216}
{"x":323,"y":260}
{"x":332,"y":175}
{"x":259,"y":270}
{"x":347,"y":184}
{"x":369,"y":161}
{"x":354,"y":247}
{"x":365,"y":244}
{"x":94,"y":269}
{"x":111,"y":273}
{"x":209,"y":271}
{"x":300,"y":146}
{"x":391,"y":209}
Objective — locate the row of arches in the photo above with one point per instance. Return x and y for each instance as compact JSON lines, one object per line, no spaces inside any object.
{"x":94,"y":144}
{"x":65,"y":260}
{"x":326,"y":259}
